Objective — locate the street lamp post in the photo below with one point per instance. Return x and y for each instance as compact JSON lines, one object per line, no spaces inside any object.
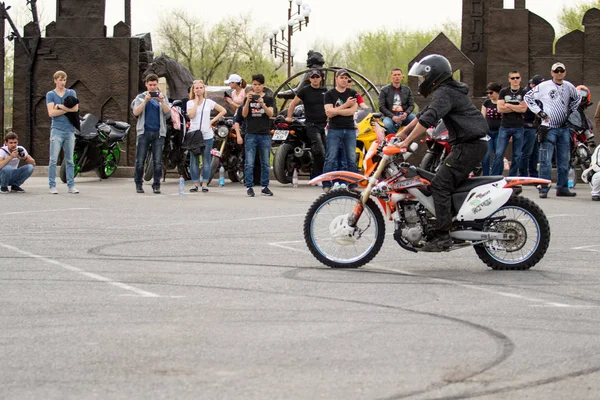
{"x":283,"y":46}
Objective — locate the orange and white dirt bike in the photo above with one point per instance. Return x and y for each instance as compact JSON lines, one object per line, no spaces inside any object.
{"x":345,"y":228}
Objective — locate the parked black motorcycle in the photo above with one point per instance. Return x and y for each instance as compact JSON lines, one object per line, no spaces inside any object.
{"x":228,"y":152}
{"x":97,"y":146}
{"x":293,"y":151}
{"x":174,"y":156}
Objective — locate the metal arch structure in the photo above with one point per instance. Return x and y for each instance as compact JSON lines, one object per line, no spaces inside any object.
{"x":364,"y":85}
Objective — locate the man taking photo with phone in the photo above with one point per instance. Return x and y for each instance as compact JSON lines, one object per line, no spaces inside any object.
{"x":10,"y":174}
{"x":151,"y":109}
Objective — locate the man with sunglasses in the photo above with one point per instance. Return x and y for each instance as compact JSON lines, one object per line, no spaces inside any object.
{"x":559,"y":98}
{"x":512,"y":106}
{"x":313,"y":96}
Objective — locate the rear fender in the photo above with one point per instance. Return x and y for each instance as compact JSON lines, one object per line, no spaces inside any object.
{"x":346,"y":176}
{"x":522,"y":180}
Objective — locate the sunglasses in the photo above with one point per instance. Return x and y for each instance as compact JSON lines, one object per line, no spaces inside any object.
{"x":490,"y":92}
{"x":513,"y":78}
{"x":315,"y":76}
{"x":558,"y":71}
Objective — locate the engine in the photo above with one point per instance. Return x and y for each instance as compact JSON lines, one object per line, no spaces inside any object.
{"x":413,"y":222}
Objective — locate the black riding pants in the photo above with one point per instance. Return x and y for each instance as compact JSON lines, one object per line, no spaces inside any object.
{"x":463,"y":159}
{"x":316,"y":135}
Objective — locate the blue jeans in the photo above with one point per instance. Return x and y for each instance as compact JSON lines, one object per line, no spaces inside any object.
{"x":347,"y":137}
{"x":262,"y":144}
{"x":10,"y":176}
{"x":504,"y":135}
{"x":66,"y":141}
{"x":489,"y":159}
{"x":146,"y":141}
{"x":392,"y":127}
{"x":559,"y":138}
{"x":206,"y":160}
{"x":528,"y":158}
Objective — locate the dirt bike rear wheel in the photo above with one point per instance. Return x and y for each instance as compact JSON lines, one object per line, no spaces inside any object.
{"x":528,"y":222}
{"x":343,"y":251}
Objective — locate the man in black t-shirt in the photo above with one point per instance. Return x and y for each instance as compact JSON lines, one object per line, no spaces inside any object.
{"x":512,"y":105}
{"x":257,"y":110}
{"x":312,"y":96}
{"x":340,"y":106}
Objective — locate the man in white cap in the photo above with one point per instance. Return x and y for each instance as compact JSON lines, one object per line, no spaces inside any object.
{"x":559,"y":98}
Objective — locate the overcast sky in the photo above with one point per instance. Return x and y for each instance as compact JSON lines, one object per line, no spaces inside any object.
{"x":335,"y":21}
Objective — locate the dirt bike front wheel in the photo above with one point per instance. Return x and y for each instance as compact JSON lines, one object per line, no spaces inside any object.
{"x":525,"y":220}
{"x":332,"y":241}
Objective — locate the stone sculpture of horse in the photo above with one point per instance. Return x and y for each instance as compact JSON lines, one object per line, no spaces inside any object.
{"x":179,"y":79}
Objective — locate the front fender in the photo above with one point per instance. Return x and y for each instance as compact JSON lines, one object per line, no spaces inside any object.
{"x":346,"y":176}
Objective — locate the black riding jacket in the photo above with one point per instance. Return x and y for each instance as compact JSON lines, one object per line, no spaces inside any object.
{"x":451,"y":102}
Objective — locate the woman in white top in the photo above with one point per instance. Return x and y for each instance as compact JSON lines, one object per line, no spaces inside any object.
{"x":198,"y":110}
{"x":238,"y":95}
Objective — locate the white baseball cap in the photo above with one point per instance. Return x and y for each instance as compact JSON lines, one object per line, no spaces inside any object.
{"x":235,"y":78}
{"x":558,"y":65}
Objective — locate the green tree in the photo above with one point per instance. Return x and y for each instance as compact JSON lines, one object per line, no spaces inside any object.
{"x":374,"y":54}
{"x":571,"y":17}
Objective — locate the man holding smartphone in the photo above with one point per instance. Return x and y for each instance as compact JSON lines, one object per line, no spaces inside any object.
{"x":10,"y":174}
{"x":340,"y":106}
{"x":257,"y":111}
{"x":151,"y":109}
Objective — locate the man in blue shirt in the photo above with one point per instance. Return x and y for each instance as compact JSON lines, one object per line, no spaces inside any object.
{"x":151,"y":109}
{"x":62,"y":131}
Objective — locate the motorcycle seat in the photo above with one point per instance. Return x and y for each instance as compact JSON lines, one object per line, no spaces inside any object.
{"x":468,"y":184}
{"x":465,"y":186}
{"x":377,"y":115}
{"x":116,"y":135}
{"x":118,"y":124}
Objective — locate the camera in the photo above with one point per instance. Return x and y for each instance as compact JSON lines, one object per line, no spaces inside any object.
{"x":154,"y":94}
{"x":21,"y":152}
{"x":255,"y":97}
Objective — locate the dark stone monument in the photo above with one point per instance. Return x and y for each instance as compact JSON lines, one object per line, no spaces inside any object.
{"x":105,"y":71}
{"x":497,"y":40}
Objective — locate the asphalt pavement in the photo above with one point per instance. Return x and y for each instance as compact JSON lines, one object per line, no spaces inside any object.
{"x":110,"y":294}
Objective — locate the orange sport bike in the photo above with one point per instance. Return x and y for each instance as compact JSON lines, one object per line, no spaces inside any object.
{"x":345,"y":228}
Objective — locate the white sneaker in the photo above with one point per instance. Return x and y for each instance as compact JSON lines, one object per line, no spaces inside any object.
{"x":73,"y":190}
{"x":53,"y":190}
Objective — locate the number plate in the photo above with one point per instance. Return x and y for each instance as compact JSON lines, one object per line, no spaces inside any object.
{"x":280,"y":135}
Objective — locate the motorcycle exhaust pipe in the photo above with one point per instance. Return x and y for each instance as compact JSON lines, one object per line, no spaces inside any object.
{"x":476,"y":236}
{"x":298,"y":152}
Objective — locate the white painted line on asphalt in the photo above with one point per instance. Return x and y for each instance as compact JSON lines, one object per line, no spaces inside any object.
{"x":44,"y":211}
{"x":91,"y":275}
{"x":564,"y":215}
{"x":587,"y":248}
{"x":442,"y":280}
{"x":283,"y":246}
{"x":483,"y":289}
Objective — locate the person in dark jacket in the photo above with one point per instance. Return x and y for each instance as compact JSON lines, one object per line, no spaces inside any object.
{"x":467,"y":131}
{"x":396,"y":103}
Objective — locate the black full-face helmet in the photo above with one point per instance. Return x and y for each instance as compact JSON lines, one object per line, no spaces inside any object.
{"x":431,"y":71}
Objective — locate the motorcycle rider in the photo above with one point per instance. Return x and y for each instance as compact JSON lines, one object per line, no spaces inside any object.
{"x":312,"y":96}
{"x":467,"y":130}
